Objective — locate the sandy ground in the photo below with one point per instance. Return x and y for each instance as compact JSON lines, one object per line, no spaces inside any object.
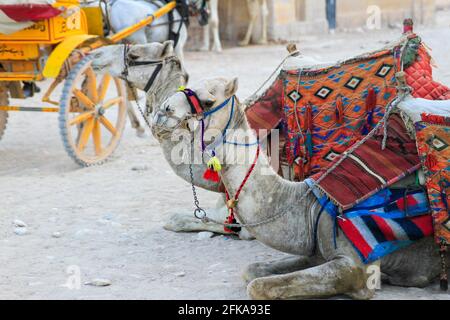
{"x":110,"y":218}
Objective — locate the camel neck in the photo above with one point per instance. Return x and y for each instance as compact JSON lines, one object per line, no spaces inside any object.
{"x":266,"y":195}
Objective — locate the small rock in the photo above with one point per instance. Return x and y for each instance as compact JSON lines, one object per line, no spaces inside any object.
{"x":140,"y":168}
{"x":180,"y":274}
{"x":19,"y":223}
{"x":56,"y":234}
{"x":99,"y":283}
{"x":20,"y":231}
{"x":204,"y":235}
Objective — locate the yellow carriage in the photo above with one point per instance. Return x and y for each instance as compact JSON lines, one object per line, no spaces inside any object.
{"x":92,"y":109}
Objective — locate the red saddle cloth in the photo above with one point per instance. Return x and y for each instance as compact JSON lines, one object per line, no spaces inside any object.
{"x":370,"y":169}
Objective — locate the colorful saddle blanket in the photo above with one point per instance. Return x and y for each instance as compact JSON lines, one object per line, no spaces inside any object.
{"x":369,"y":168}
{"x":390,"y":220}
{"x":433,"y":142}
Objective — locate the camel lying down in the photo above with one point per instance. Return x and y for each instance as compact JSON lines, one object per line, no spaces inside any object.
{"x":329,"y":270}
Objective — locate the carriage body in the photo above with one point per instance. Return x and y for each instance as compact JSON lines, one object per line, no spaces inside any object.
{"x":55,"y":48}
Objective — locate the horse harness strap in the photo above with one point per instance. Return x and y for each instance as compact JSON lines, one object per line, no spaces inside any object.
{"x":131,"y":63}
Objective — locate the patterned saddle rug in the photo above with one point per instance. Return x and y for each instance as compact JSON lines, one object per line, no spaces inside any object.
{"x":324,"y":111}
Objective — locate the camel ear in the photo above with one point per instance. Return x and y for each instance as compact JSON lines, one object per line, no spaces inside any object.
{"x":231,"y":87}
{"x":167,"y":49}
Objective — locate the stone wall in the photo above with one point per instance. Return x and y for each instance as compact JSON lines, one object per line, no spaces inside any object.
{"x":290,"y":18}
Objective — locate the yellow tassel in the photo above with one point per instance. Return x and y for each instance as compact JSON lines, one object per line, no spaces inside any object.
{"x":214,"y":163}
{"x":181,"y":88}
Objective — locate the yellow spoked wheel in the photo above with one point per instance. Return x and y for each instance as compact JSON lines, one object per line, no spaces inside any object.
{"x":92,"y":114}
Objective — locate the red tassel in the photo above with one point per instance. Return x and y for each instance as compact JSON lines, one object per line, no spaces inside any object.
{"x":211,"y":175}
{"x":339,"y":111}
{"x":371,"y":100}
{"x":431,"y":161}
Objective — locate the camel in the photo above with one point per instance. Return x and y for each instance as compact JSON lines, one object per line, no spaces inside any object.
{"x":170,"y":78}
{"x":325,"y":272}
{"x":255,"y":8}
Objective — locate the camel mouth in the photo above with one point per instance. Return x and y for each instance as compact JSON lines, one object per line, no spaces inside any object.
{"x":161,"y":132}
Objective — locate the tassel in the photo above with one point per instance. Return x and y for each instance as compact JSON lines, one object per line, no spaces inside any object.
{"x":214,"y":163}
{"x":181,"y":88}
{"x":371,"y":100}
{"x":339,"y":111}
{"x":371,"y":103}
{"x":309,"y":130}
{"x":214,"y":167}
{"x":211,"y":175}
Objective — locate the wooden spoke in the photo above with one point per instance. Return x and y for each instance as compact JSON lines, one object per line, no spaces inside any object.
{"x":96,"y":134}
{"x":81,"y":118}
{"x":92,"y":84}
{"x":83,"y":98}
{"x":85,"y":133}
{"x":103,"y":87}
{"x":110,"y":103}
{"x":108,"y":125}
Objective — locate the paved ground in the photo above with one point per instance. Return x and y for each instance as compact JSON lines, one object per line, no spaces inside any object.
{"x":110,"y":218}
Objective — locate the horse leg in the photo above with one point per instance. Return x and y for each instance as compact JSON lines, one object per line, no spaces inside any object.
{"x":264,"y":18}
{"x":214,"y":22}
{"x":205,"y":46}
{"x":135,"y":123}
{"x":253,"y":13}
{"x":277,"y":267}
{"x":335,"y":277}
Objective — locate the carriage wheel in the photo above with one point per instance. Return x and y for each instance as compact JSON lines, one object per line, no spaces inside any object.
{"x":4,"y":101}
{"x":92,"y":114}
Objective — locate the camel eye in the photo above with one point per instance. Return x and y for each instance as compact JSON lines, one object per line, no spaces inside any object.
{"x":168,"y":109}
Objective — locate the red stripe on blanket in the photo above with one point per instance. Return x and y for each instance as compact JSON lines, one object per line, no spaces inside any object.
{"x":369,"y":168}
{"x":355,"y":236}
{"x":424,"y":223}
{"x":385,"y":228}
{"x":29,"y":12}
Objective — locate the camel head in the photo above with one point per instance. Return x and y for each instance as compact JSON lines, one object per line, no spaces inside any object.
{"x":137,"y":63}
{"x":177,"y":112}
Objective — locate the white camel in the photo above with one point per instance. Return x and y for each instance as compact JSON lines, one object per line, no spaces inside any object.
{"x":256,"y":8}
{"x":171,"y":77}
{"x":327,"y":271}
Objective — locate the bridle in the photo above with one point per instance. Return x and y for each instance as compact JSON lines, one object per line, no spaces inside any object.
{"x":198,"y":112}
{"x":129,"y":63}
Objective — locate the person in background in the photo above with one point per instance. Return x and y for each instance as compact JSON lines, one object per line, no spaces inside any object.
{"x":331,"y":15}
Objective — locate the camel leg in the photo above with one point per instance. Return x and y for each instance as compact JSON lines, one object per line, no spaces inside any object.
{"x":264,"y":18}
{"x":335,"y":277}
{"x":214,"y":23}
{"x":253,"y":13}
{"x":186,"y":222}
{"x":277,"y":267}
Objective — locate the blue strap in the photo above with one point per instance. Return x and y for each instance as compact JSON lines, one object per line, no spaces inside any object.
{"x":220,"y":106}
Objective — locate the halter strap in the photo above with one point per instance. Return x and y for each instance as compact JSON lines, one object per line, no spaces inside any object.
{"x":130,"y":63}
{"x":193,"y":100}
